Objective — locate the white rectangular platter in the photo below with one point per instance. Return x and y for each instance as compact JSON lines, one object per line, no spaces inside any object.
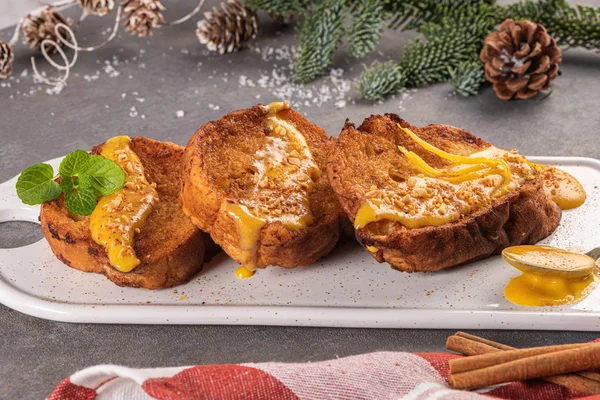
{"x":346,"y":289}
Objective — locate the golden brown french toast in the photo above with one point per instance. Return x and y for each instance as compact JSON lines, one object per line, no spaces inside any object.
{"x":256,"y":180}
{"x":437,"y":198}
{"x":171,"y":249}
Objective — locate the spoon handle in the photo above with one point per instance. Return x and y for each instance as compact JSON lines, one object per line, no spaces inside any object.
{"x":595,"y":254}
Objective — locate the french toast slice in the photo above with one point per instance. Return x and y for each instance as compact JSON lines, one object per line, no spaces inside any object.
{"x":256,"y":180}
{"x":419,"y":223}
{"x":171,"y":249}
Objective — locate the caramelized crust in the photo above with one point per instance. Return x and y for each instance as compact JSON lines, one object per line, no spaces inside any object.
{"x":171,"y":249}
{"x":369,"y":156}
{"x":218,"y":170}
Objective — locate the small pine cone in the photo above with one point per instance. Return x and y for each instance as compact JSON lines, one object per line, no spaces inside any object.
{"x":228,"y":29}
{"x":6,"y":59}
{"x":141,"y":16}
{"x":37,"y":28}
{"x":97,"y":7}
{"x":520,"y":59}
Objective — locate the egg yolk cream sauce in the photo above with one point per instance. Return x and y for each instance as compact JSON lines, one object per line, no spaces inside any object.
{"x":436,"y":196}
{"x":119,"y":216}
{"x":550,"y":276}
{"x":285,"y":174}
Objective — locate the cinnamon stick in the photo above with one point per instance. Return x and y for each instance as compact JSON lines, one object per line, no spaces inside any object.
{"x":537,"y":366}
{"x":586,"y":382}
{"x":484,"y":340}
{"x":467,"y":364}
{"x":469,"y":345}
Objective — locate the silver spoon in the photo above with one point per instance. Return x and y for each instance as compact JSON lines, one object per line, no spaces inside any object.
{"x":543,"y":260}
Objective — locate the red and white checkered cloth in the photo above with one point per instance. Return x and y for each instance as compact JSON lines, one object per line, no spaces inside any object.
{"x":383,"y":375}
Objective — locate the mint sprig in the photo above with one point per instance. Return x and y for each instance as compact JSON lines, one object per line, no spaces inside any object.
{"x":36,"y":185}
{"x":84,"y":178}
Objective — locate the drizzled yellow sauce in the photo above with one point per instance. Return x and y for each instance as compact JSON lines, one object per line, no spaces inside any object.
{"x":119,"y":216}
{"x":244,"y":273}
{"x":550,"y":276}
{"x":285,"y":174}
{"x":565,"y":190}
{"x":248,"y":227}
{"x":437,"y":196}
{"x":368,"y":213}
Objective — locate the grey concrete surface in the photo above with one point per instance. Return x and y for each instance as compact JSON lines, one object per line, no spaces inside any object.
{"x":12,"y":10}
{"x":174,"y":73}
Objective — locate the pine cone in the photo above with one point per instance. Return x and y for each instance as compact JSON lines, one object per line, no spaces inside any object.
{"x":6,"y":59}
{"x":37,"y":28}
{"x":228,"y":29}
{"x":141,"y":16}
{"x":520,"y":59}
{"x":97,"y":7}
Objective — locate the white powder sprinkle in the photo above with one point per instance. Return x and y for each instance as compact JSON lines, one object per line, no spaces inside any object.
{"x":281,"y":82}
{"x":213,"y":107}
{"x":56,"y":89}
{"x":90,"y":78}
{"x":406,"y":95}
{"x":110,"y":70}
{"x":133,"y":112}
{"x":179,"y":113}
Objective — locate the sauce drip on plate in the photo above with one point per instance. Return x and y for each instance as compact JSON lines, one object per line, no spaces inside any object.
{"x":565,"y":190}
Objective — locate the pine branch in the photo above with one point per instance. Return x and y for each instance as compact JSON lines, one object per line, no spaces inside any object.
{"x":287,"y":7}
{"x":318,"y":38}
{"x":410,"y":14}
{"x":577,"y":26}
{"x":367,"y":22}
{"x":467,"y":77}
{"x":447,"y":44}
{"x":453,"y":32}
{"x":380,"y":80}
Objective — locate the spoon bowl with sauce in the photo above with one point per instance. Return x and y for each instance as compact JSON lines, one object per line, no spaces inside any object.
{"x":551,"y":276}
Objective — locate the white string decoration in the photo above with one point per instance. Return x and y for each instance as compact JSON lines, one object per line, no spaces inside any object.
{"x":72,"y":43}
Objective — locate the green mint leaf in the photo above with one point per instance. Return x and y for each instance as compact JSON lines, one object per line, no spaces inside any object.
{"x":85,"y":181}
{"x":66,"y":184}
{"x":81,"y":201}
{"x":74,"y":163}
{"x":36,"y":185}
{"x":84,"y":178}
{"x":108,"y":176}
